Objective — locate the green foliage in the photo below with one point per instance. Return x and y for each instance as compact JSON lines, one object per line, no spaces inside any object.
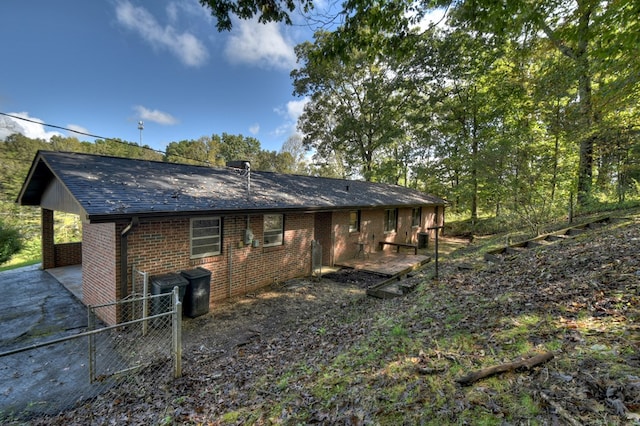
{"x":265,"y":11}
{"x":10,"y":242}
{"x":356,"y":106}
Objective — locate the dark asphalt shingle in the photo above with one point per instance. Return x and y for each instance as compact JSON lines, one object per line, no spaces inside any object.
{"x":107,"y":186}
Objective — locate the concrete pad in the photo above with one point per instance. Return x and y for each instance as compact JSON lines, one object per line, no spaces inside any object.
{"x":35,"y":308}
{"x":70,"y":277}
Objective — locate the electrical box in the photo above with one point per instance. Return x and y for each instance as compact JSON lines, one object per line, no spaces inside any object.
{"x":248,"y":236}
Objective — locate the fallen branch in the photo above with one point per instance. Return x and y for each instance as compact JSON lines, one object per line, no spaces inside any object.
{"x":524,"y":364}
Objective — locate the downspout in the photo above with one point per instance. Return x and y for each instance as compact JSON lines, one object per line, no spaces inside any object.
{"x":124,"y":267}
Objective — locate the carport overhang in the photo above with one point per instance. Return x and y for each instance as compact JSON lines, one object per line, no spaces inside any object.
{"x":42,"y":188}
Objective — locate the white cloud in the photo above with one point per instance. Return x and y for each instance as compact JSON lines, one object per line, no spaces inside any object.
{"x":187,"y":47}
{"x":262,"y":45}
{"x":75,"y":128}
{"x":189,"y":8}
{"x":155,"y":116}
{"x":290,"y":113}
{"x":296,"y":108}
{"x":254,"y":129}
{"x":30,"y":127}
{"x":172,"y":11}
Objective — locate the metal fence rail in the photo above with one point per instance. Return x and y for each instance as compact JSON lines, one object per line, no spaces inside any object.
{"x":58,"y":375}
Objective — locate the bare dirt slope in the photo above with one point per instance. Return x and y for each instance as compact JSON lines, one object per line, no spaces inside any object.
{"x":324,"y":353}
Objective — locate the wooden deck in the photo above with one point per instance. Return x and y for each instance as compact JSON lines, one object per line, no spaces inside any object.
{"x":386,"y":263}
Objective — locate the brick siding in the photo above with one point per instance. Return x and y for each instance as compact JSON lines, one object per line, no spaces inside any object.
{"x":67,"y":254}
{"x":162,"y":246}
{"x":372,"y":230}
{"x":99,"y":269}
{"x":48,"y":251}
{"x":56,"y":255}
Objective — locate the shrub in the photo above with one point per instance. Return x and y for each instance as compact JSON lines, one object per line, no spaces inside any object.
{"x":10,"y":242}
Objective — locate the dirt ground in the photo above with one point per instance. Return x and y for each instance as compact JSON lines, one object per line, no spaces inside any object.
{"x":262,"y":314}
{"x":322,"y":352}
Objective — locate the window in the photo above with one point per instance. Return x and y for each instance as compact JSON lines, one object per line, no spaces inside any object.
{"x":273,"y":230}
{"x":416,"y":216}
{"x":354,"y":221}
{"x":205,"y":237}
{"x":390,"y":221}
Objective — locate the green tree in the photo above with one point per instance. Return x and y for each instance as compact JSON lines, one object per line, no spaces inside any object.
{"x":237,"y":147}
{"x":272,"y":161}
{"x":586,"y":33}
{"x":10,"y":242}
{"x":203,"y":151}
{"x":356,"y":103}
{"x":264,"y":10}
{"x":121,"y":148}
{"x":294,"y":146}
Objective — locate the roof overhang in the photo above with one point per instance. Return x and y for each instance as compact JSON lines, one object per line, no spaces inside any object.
{"x":193,"y":213}
{"x":44,"y":189}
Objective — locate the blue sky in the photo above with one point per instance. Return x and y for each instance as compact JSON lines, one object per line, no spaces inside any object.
{"x":100,"y":66}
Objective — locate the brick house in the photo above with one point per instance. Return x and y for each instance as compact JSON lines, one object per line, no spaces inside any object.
{"x":248,"y":228}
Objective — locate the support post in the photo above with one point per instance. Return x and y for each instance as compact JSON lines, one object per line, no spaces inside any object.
{"x":48,"y":245}
{"x":145,"y":302}
{"x":437,"y":229}
{"x":91,"y":325}
{"x":177,"y":333}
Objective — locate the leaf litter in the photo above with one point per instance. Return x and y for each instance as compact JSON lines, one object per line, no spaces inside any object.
{"x":322,"y":352}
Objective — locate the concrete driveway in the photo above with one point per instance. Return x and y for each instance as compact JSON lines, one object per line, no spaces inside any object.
{"x":36,"y":308}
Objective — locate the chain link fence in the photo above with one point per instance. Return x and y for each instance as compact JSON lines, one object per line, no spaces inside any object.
{"x":78,"y":370}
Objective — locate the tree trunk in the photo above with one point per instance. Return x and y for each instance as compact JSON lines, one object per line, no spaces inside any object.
{"x":585,"y":165}
{"x":474,"y":161}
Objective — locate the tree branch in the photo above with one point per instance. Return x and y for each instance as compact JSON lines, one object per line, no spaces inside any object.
{"x":524,"y":364}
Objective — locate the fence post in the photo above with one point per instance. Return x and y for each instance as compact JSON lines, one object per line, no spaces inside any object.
{"x":177,"y":333}
{"x":437,"y":229}
{"x":91,"y":325}
{"x":145,"y":303}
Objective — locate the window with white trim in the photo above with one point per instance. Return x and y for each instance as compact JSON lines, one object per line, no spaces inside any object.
{"x":390,"y":220}
{"x":273,"y":230}
{"x":205,"y":237}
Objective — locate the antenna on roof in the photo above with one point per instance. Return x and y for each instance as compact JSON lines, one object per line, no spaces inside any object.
{"x":244,"y":167}
{"x":141,"y":128}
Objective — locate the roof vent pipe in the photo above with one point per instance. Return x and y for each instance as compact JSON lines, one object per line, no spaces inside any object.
{"x":245,"y":170}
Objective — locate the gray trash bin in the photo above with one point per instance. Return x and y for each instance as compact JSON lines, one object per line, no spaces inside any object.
{"x":165,"y":283}
{"x":196,"y":298}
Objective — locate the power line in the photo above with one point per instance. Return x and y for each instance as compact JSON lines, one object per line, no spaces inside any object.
{"x":15,"y":117}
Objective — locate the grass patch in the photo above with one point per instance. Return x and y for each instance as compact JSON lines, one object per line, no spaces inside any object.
{"x":15,"y":265}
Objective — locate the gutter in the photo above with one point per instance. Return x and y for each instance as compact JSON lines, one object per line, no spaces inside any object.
{"x":124,"y":267}
{"x":101,"y":218}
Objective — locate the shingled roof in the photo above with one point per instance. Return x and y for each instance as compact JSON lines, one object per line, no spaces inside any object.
{"x":107,"y":188}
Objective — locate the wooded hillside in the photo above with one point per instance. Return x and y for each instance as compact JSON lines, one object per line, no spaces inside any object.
{"x":505,"y":109}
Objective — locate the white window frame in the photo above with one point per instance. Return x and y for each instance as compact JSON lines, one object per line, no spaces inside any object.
{"x":388,"y":226}
{"x":198,"y":241}
{"x":273,"y":236}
